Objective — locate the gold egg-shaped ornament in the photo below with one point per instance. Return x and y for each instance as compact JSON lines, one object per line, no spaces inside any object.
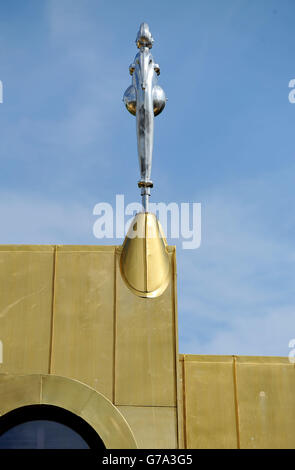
{"x":159,"y":99}
{"x":129,"y":99}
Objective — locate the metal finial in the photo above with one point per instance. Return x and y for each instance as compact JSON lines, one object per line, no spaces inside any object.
{"x":144,"y":99}
{"x":144,"y":37}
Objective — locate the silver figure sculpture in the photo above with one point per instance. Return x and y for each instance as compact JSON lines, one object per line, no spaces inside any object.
{"x":144,"y":99}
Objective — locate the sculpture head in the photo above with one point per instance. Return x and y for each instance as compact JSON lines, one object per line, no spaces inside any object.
{"x":144,"y":37}
{"x":144,"y":72}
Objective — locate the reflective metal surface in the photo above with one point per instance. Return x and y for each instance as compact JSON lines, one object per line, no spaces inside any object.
{"x":265,"y":393}
{"x":71,"y":395}
{"x":146,"y":345}
{"x":66,"y":310}
{"x":145,"y":264}
{"x":144,"y":98}
{"x":83,"y":320}
{"x":238,"y":402}
{"x":160,"y":425}
{"x":209,"y":402}
{"x":26,"y":286}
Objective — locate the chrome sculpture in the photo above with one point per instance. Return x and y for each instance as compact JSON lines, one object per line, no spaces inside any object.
{"x":144,"y":99}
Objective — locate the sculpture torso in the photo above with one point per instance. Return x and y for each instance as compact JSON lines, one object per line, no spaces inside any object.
{"x":145,"y":99}
{"x":143,"y":80}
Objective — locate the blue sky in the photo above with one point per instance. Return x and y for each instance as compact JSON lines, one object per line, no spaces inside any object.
{"x":225,"y":139}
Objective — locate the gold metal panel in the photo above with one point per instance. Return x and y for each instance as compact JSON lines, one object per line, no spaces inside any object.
{"x":154,"y":427}
{"x":109,"y":423}
{"x":145,"y":263}
{"x":59,"y":391}
{"x":92,"y":406}
{"x":266,"y":402}
{"x":83,"y":323}
{"x":18,"y":390}
{"x":180,"y":404}
{"x":178,"y":367}
{"x":145,"y":372}
{"x":203,"y":358}
{"x":209,"y":403}
{"x":26,"y":285}
{"x":271,"y":360}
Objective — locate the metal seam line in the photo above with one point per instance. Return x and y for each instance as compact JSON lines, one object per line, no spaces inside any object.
{"x":41,"y":388}
{"x":176,"y":352}
{"x":236,"y":401}
{"x":145,"y":254}
{"x":184,"y":403}
{"x":114,"y":327}
{"x":52,"y":308}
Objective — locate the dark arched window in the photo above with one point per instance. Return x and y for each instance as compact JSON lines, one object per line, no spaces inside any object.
{"x":46,"y":427}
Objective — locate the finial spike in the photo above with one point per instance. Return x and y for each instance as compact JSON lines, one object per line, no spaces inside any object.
{"x":145,"y":99}
{"x":144,"y":261}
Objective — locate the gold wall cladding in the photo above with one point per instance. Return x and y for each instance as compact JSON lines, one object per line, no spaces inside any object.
{"x":22,"y":390}
{"x":83,"y":321}
{"x":90,"y":405}
{"x":209,"y":402}
{"x":153,"y":427}
{"x":146,"y":348}
{"x":64,"y":311}
{"x":266,"y":402}
{"x":26,"y":283}
{"x":18,"y":390}
{"x":238,"y":401}
{"x":180,"y":405}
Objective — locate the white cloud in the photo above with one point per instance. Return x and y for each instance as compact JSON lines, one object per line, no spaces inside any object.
{"x":268,"y":335}
{"x":29,"y":219}
{"x":69,"y":100}
{"x":237,"y":290}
